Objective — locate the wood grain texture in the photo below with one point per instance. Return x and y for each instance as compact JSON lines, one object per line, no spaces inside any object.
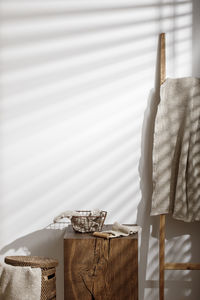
{"x":102,"y":235}
{"x":162,"y":257}
{"x":162,"y":217}
{"x":182,"y":266}
{"x":162,"y":59}
{"x":100,"y":269}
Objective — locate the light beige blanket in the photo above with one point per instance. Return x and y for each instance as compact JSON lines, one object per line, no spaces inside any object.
{"x":20,"y":283}
{"x":176,"y":151}
{"x":121,"y":230}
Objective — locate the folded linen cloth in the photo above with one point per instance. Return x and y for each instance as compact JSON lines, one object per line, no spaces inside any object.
{"x":20,"y":283}
{"x":121,"y":230}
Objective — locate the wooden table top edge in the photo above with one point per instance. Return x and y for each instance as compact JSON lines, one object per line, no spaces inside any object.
{"x":71,"y":234}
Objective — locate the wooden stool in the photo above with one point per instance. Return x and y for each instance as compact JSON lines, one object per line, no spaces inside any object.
{"x":97,"y":268}
{"x":48,"y":268}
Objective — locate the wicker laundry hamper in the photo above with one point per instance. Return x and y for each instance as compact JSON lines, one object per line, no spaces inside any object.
{"x":48,"y":268}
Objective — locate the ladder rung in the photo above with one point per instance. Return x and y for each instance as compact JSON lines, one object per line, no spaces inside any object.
{"x":181,"y":266}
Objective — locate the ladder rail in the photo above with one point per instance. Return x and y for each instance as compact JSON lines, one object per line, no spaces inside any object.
{"x":162,"y":265}
{"x":162,"y":77}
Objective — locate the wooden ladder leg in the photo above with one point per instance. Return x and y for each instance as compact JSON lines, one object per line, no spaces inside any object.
{"x":162,"y":217}
{"x":162,"y":59}
{"x":162,"y":257}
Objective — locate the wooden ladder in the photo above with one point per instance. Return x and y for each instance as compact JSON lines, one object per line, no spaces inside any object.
{"x":162,"y":265}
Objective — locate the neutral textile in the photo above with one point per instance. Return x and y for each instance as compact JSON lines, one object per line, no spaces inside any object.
{"x":121,"y":230}
{"x":176,"y":150}
{"x":20,"y":283}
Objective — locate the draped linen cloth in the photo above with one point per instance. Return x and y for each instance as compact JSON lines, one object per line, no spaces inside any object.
{"x":20,"y":283}
{"x":176,"y":150}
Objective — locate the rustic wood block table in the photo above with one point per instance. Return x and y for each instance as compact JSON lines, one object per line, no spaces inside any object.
{"x":100,"y":269}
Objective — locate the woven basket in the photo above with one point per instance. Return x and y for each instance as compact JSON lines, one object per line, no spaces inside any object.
{"x":87,"y":222}
{"x":48,"y":269}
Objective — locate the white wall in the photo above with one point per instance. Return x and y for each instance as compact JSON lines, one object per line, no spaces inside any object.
{"x":77,"y":109}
